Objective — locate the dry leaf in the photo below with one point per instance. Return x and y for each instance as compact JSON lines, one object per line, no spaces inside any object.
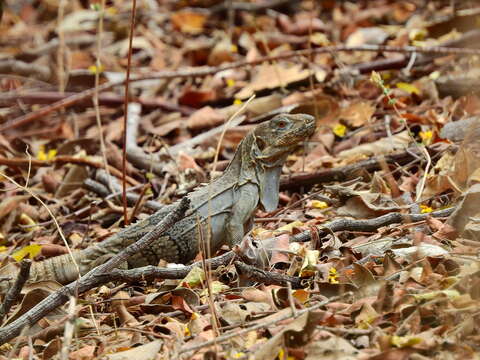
{"x":272,"y":76}
{"x":189,"y":22}
{"x":386,"y":145}
{"x":205,"y":117}
{"x":357,"y":114}
{"x":144,"y":352}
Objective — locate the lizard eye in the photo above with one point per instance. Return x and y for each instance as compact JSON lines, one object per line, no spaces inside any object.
{"x":282,"y":124}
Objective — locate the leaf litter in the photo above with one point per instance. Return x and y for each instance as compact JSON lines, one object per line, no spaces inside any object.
{"x":401,"y":290}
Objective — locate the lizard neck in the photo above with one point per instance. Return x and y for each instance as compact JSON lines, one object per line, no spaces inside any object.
{"x":245,"y":168}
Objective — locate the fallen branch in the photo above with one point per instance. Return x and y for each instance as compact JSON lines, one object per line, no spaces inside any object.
{"x":351,"y":171}
{"x":370,"y":225}
{"x":90,"y":280}
{"x":111,"y":99}
{"x":132,"y":198}
{"x":471,"y":38}
{"x":25,"y":162}
{"x":28,"y":70}
{"x":268,"y":277}
{"x":14,"y":292}
{"x":154,"y":272}
{"x":247,"y":6}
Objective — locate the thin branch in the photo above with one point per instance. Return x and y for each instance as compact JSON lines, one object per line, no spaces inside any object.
{"x":63,"y":160}
{"x":14,"y":292}
{"x":369,"y":225}
{"x":351,"y":171}
{"x":25,"y":69}
{"x":125,"y":113}
{"x":268,"y":277}
{"x":106,"y":99}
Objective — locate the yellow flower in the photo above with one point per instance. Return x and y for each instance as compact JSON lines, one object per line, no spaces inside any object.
{"x":332,"y":276}
{"x":93,"y":69}
{"x":317,"y":204}
{"x":340,"y":130}
{"x":426,"y":136}
{"x":425,"y":209}
{"x":45,"y":156}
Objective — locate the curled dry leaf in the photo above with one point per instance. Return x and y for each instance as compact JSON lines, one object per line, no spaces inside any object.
{"x":239,"y":314}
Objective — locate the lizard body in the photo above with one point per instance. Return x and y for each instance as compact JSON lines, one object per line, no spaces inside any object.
{"x":225,"y":207}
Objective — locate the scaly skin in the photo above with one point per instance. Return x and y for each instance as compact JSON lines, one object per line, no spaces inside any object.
{"x":226,"y":206}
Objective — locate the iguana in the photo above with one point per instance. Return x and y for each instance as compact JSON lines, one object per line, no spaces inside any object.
{"x":225,"y":206}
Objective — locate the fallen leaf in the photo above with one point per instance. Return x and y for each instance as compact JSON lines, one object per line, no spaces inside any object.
{"x":269,"y":76}
{"x":143,"y":352}
{"x":30,"y":250}
{"x":189,"y":22}
{"x":84,"y":353}
{"x":357,"y":114}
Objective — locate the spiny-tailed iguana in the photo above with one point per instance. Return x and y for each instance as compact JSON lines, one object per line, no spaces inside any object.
{"x":226,"y":206}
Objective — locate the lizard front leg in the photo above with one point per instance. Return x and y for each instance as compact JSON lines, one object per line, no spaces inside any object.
{"x":242,"y":210}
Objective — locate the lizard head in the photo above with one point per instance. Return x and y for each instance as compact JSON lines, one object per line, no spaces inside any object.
{"x":275,"y":139}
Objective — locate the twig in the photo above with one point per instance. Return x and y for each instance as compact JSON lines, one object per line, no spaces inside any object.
{"x":89,"y":280}
{"x":346,"y":331}
{"x":469,"y":37}
{"x":96,"y":95}
{"x":132,"y":198}
{"x":106,"y":99}
{"x":248,"y":6}
{"x":268,"y":277}
{"x":25,"y":69}
{"x":369,"y":225}
{"x":423,"y":181}
{"x":349,"y":171}
{"x":135,"y":154}
{"x":14,"y":292}
{"x":125,"y":113}
{"x":154,"y":272}
{"x":69,"y":328}
{"x":63,"y":160}
{"x":173,"y":150}
{"x":261,"y":325}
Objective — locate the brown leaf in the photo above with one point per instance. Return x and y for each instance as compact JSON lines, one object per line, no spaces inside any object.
{"x":272,"y":76}
{"x":196,"y":98}
{"x":205,"y":117}
{"x":85,"y":353}
{"x":357,"y":114}
{"x":188,"y":22}
{"x":143,"y":352}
